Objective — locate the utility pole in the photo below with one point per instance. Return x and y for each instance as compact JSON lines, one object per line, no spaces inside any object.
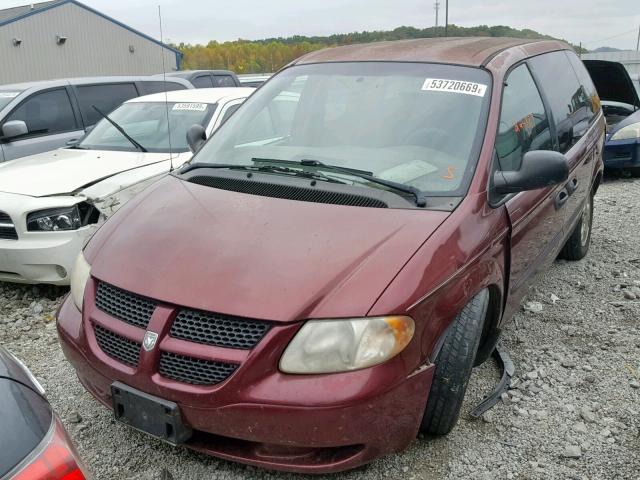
{"x":446,"y":18}
{"x":638,"y":44}
{"x":580,"y":50}
{"x":437,"y":8}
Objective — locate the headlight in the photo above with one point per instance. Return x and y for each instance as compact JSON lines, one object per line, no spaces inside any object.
{"x":62,"y":219}
{"x":627,"y":133}
{"x":79,"y":278}
{"x":330,"y":346}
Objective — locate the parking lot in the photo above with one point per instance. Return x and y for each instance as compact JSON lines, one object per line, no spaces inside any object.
{"x":574,"y":411}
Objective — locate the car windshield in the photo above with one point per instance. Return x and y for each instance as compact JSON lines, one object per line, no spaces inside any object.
{"x":411,"y":123}
{"x":146,"y":123}
{"x":6,"y":96}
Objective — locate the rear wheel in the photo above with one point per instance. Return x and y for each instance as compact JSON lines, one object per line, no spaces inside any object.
{"x":453,"y":367}
{"x":578,"y":244}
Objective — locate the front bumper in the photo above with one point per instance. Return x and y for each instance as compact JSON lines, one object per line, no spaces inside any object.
{"x":261,"y":417}
{"x":620,"y":154}
{"x":42,"y":257}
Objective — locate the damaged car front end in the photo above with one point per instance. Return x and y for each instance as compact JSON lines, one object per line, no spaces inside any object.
{"x":52,"y":203}
{"x":620,"y":97}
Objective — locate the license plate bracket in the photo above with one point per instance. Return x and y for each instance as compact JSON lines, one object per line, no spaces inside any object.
{"x":152,"y":415}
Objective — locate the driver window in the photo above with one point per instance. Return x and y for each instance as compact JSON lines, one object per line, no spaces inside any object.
{"x":523,"y":122}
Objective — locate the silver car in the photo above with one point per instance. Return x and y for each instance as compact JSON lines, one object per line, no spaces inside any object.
{"x":41,"y":116}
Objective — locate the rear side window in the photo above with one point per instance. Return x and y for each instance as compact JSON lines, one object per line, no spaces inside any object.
{"x":593,"y":100}
{"x":158,"y":87}
{"x":569,"y":101}
{"x":203,"y":81}
{"x":523,"y":122}
{"x":106,"y":97}
{"x":46,"y":113}
{"x":223,"y":81}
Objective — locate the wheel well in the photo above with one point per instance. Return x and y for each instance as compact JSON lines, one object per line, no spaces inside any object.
{"x":490,"y":330}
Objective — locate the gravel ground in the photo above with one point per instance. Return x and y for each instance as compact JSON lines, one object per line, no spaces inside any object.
{"x":574,"y":411}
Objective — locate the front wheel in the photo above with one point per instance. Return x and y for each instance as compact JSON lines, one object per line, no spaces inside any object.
{"x":578,"y":244}
{"x":453,"y":367}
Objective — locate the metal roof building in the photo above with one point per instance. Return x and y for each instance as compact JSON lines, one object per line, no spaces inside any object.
{"x":65,"y":38}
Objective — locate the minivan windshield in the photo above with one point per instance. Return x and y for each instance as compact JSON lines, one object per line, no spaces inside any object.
{"x":7,"y":96}
{"x":415,"y":124}
{"x":146,"y":123}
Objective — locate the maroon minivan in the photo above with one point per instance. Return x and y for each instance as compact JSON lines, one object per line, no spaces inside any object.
{"x":315,"y":287}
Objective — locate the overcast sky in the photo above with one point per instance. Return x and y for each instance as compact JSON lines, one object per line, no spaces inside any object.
{"x":198,"y":21}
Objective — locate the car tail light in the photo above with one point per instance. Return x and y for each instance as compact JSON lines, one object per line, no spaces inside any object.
{"x":54,"y":459}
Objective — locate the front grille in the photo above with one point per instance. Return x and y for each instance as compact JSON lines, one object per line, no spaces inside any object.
{"x":193,"y":370}
{"x":7,"y":228}
{"x":117,"y":347}
{"x":289,"y":192}
{"x":218,"y":330}
{"x":128,"y":307}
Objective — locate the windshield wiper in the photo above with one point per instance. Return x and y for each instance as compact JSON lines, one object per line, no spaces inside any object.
{"x":420,"y":197}
{"x":121,"y":130}
{"x":265,"y":169}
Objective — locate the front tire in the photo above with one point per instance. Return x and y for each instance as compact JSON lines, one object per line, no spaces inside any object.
{"x":453,"y":367}
{"x":578,"y":244}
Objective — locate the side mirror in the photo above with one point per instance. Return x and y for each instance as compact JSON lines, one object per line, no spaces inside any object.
{"x":196,"y":136}
{"x":14,"y":128}
{"x":539,"y":169}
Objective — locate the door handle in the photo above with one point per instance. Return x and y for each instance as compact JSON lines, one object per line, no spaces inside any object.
{"x":572,"y":186}
{"x":561,"y":198}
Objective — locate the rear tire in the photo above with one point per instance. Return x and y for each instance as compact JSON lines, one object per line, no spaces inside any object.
{"x":578,"y":244}
{"x":453,"y":367}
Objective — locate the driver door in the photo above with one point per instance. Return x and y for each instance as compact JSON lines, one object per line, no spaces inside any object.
{"x":536,"y":217}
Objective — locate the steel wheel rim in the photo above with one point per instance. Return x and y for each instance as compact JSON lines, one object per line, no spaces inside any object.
{"x":586,"y":223}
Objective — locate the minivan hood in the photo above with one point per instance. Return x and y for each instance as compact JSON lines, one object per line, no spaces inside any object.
{"x":66,"y":170}
{"x":256,"y":257}
{"x":612,"y":82}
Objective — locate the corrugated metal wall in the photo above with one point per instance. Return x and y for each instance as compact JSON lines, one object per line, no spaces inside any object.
{"x":94,"y":46}
{"x":630,"y":59}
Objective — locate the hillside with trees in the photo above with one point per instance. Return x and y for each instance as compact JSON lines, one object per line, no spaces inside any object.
{"x":269,"y":55}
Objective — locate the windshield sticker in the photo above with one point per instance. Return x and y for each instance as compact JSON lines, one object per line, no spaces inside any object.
{"x":9,"y":94}
{"x":454,"y":86}
{"x":190,"y":107}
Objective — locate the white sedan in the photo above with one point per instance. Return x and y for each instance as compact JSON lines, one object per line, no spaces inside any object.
{"x":51,"y":203}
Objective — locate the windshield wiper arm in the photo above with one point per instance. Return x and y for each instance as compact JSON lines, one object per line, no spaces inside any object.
{"x":420,"y":197}
{"x":120,"y":129}
{"x":263,"y":168}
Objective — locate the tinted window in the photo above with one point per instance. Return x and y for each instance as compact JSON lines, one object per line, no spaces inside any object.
{"x":592,"y":99}
{"x":106,"y":97}
{"x":203,"y":81}
{"x":158,"y":87}
{"x":223,"y":81}
{"x":46,"y":113}
{"x":230,"y":111}
{"x":568,"y":100}
{"x":523,"y":123}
